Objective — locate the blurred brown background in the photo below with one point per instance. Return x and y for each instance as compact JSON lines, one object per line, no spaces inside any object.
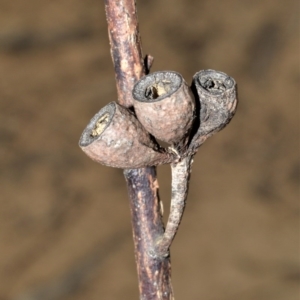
{"x":65,"y":229}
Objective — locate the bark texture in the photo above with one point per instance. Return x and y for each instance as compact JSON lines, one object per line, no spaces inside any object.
{"x":125,"y":46}
{"x":153,"y":271}
{"x":153,"y":274}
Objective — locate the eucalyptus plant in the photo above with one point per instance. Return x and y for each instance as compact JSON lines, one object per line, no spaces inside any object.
{"x":153,"y":107}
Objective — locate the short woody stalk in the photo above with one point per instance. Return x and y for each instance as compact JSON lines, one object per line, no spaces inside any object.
{"x":180,"y":183}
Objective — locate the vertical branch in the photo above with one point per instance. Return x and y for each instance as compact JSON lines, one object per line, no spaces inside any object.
{"x":154,"y":274}
{"x":125,"y":46}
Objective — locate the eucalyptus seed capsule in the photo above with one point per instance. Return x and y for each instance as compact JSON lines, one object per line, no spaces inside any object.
{"x":165,"y":106}
{"x":115,"y":138}
{"x":217,"y":96}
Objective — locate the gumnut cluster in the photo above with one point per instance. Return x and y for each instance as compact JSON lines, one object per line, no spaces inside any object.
{"x":165,"y":108}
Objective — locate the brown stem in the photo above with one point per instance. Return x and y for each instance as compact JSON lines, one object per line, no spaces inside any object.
{"x":153,"y":271}
{"x":154,"y":274}
{"x":125,"y":46}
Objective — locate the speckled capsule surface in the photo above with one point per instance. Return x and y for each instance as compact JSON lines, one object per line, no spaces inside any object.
{"x":165,"y":105}
{"x":115,"y":138}
{"x":216,"y":93}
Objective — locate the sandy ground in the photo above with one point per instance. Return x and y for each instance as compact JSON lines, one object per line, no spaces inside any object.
{"x":65,"y":228}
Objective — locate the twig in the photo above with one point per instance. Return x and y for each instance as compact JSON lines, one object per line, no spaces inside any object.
{"x":153,"y":274}
{"x":125,"y":46}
